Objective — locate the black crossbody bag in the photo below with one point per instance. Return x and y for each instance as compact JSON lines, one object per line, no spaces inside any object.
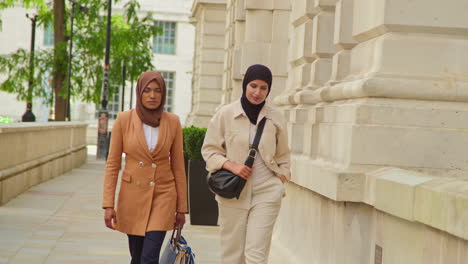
{"x":227,"y":184}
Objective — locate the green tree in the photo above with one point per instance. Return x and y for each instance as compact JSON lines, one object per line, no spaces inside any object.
{"x":130,"y":45}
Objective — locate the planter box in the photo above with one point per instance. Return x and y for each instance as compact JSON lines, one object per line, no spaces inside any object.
{"x":202,"y":204}
{"x":186,"y":162}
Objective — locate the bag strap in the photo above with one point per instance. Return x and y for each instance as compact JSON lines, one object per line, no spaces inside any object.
{"x":254,"y":148}
{"x":176,"y":239}
{"x":259,"y":133}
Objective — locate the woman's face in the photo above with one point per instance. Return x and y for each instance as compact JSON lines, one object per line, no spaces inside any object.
{"x":152,"y":95}
{"x":257,"y":91}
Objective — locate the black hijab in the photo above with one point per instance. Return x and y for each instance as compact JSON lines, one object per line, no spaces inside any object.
{"x":254,"y":72}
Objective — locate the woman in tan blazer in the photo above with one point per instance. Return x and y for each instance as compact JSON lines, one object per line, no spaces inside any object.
{"x":247,"y":223}
{"x":152,"y":197}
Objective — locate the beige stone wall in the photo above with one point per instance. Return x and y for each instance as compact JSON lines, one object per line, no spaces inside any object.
{"x":376,"y":85}
{"x":35,"y":152}
{"x":209,"y":18}
{"x":234,"y":38}
{"x":413,"y":217}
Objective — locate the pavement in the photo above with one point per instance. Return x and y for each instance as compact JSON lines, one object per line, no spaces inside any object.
{"x":61,"y":221}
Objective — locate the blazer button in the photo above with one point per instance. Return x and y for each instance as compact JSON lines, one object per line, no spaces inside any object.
{"x":153,"y":165}
{"x":140,"y":163}
{"x":151,"y":184}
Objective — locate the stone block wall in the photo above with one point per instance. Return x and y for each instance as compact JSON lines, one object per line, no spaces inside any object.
{"x":401,"y":216}
{"x":209,"y":19}
{"x":377,"y":111}
{"x":36,"y":152}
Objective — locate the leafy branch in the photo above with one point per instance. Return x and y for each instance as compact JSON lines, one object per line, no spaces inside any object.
{"x":131,"y":45}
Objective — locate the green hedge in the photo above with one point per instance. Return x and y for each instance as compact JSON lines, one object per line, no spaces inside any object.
{"x":193,"y":141}
{"x":5,"y":120}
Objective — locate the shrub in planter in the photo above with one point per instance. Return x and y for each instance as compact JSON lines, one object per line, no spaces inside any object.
{"x":193,"y":141}
{"x":202,"y":205}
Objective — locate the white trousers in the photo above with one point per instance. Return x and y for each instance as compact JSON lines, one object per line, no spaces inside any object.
{"x":246,"y":234}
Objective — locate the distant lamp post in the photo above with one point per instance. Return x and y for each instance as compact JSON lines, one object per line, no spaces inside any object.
{"x":103,"y":139}
{"x":28,"y":116}
{"x":70,"y":53}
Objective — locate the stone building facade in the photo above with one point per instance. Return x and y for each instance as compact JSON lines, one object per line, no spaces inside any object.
{"x":375,"y":95}
{"x":209,"y":19}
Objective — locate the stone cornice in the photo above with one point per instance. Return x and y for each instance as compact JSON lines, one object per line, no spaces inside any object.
{"x":197,"y":3}
{"x":10,"y":172}
{"x":406,"y":194}
{"x":37,"y":126}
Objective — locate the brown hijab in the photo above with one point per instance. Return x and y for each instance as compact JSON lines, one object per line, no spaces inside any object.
{"x":148,"y":116}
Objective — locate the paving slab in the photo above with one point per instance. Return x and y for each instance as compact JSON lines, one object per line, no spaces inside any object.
{"x":61,"y":222}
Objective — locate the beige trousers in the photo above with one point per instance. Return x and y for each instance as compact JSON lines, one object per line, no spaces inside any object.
{"x":246,"y":233}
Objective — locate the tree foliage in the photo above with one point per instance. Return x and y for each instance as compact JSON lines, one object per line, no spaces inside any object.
{"x":131,"y":38}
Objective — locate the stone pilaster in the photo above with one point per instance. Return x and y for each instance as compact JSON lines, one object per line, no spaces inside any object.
{"x":397,"y":78}
{"x":351,"y":82}
{"x":209,"y":18}
{"x":343,"y":40}
{"x":387,"y":88}
{"x":311,"y":54}
{"x":234,"y":37}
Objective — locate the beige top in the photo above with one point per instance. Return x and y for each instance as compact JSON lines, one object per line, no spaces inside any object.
{"x":261,"y":172}
{"x":227,"y":139}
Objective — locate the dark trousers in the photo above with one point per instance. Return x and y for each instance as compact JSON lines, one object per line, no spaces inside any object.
{"x":146,"y":249}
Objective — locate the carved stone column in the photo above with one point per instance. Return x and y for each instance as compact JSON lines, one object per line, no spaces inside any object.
{"x":209,"y":18}
{"x":388,"y":87}
{"x":234,"y":37}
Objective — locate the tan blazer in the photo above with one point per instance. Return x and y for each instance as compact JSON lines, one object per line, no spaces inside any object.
{"x":227,"y":138}
{"x":153,"y":186}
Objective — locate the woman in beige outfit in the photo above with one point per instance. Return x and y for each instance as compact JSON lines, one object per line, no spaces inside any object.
{"x":153,"y":190}
{"x":247,"y":223}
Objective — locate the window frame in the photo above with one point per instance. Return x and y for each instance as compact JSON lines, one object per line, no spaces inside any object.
{"x":48,"y":29}
{"x":165,"y":39}
{"x":169,"y":106}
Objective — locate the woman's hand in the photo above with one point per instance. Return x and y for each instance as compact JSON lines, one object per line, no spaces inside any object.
{"x":240,"y":170}
{"x":110,"y":218}
{"x":180,"y":220}
{"x":283,"y":179}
